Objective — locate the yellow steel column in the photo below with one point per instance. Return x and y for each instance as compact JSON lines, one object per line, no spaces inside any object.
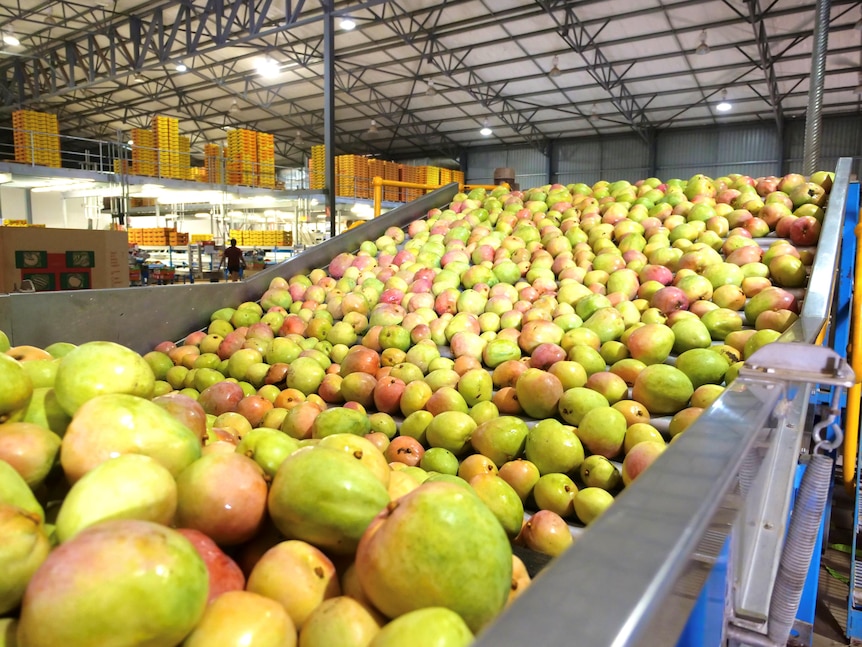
{"x":851,"y":435}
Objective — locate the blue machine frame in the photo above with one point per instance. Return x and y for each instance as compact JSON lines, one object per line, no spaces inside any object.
{"x":705,"y":626}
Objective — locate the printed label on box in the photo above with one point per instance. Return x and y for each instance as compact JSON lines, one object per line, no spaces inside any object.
{"x":31,"y":260}
{"x":80,"y":259}
{"x":74,"y":280}
{"x":42,"y":282}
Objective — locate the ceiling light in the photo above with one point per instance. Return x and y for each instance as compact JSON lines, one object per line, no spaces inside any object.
{"x":347,"y":23}
{"x":703,"y":48}
{"x":233,"y":106}
{"x":594,"y":113}
{"x":372,"y":129}
{"x":724,"y":105}
{"x":137,"y":78}
{"x":267,"y":67}
{"x":555,"y":71}
{"x":298,"y":141}
{"x":431,"y":91}
{"x":486,"y":129}
{"x":10,"y":39}
{"x":131,"y":142}
{"x":180,"y":66}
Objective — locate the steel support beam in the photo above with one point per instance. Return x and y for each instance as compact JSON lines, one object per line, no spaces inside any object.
{"x":578,"y":37}
{"x":149,"y":40}
{"x":489,"y":95}
{"x":813,"y":117}
{"x":329,"y":113}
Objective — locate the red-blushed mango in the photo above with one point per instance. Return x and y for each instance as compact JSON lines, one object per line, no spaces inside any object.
{"x":243,"y":618}
{"x":117,"y":583}
{"x":439,"y":545}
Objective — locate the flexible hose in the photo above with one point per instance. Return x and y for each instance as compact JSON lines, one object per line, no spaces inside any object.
{"x":798,"y":549}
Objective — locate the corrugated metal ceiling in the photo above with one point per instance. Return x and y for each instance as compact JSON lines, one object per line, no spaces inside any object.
{"x":428,"y":74}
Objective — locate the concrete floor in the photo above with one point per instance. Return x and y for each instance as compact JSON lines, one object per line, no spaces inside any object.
{"x":830,"y":620}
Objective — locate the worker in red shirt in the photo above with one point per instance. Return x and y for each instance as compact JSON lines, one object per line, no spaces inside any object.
{"x":233,"y":257}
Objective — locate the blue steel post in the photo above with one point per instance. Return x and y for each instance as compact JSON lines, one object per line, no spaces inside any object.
{"x":705,"y":626}
{"x":851,"y":215}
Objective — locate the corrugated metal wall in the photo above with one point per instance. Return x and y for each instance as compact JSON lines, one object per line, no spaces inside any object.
{"x":607,"y":158}
{"x":840,"y":137}
{"x":531,"y":165}
{"x":753,"y":149}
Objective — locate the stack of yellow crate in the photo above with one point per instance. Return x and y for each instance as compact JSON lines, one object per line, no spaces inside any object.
{"x":429,"y":175}
{"x":362,"y":179}
{"x":445,"y":176}
{"x":277,"y":238}
{"x":166,"y":140}
{"x":376,"y":168}
{"x":266,"y":160}
{"x":345,"y":174}
{"x":458,"y":176}
{"x":198,"y":173}
{"x":408,"y":173}
{"x":143,"y":152}
{"x":253,"y":238}
{"x":122,"y":167}
{"x":36,"y":138}
{"x":176,"y":238}
{"x":390,"y":172}
{"x":238,"y":235}
{"x":213,"y":162}
{"x":317,"y":167}
{"x":202,"y":238}
{"x":242,"y":157}
{"x":185,"y":147}
{"x":134,"y":236}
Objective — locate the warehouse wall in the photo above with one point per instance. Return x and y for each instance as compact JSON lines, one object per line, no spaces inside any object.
{"x":46,"y":208}
{"x":531,"y":166}
{"x":753,"y":149}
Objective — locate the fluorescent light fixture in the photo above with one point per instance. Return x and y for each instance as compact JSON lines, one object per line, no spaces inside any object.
{"x":65,"y":186}
{"x":347,"y":23}
{"x":372,"y":129}
{"x":10,"y":39}
{"x":724,"y":105}
{"x":555,"y":70}
{"x":267,"y":67}
{"x":486,"y":129}
{"x":180,"y":66}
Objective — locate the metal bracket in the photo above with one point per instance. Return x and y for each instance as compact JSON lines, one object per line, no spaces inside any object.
{"x":795,"y":362}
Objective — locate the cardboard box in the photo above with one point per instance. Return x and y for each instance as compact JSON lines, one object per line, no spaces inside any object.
{"x":63,"y":259}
